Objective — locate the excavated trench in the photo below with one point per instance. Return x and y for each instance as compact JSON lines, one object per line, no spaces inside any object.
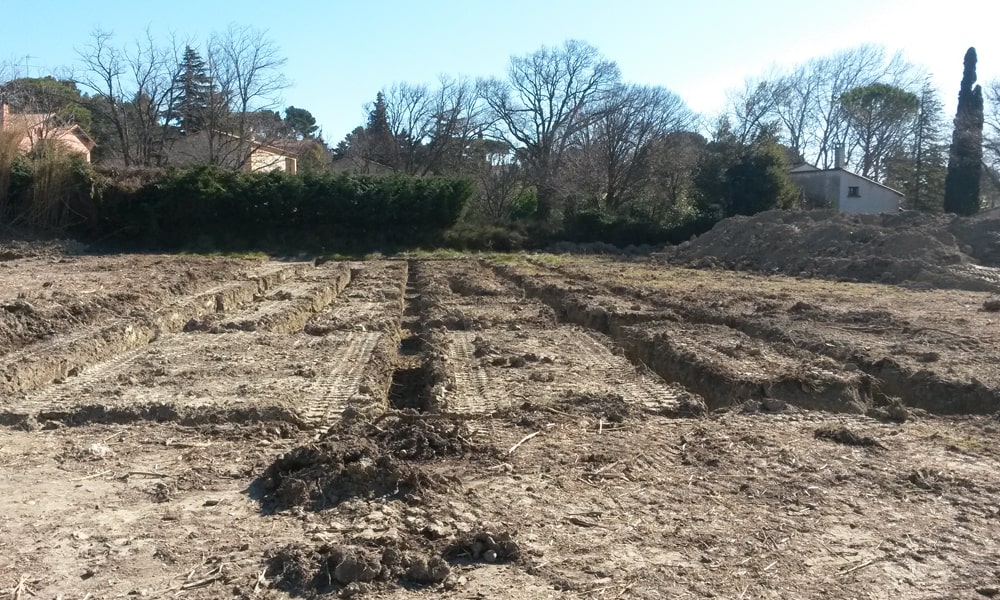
{"x":411,"y":379}
{"x":210,"y":373}
{"x":727,"y":367}
{"x":657,"y":332}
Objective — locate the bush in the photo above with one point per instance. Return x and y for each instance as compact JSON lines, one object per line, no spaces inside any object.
{"x":590,"y":226}
{"x":48,"y":191}
{"x":485,"y":237}
{"x":210,"y":208}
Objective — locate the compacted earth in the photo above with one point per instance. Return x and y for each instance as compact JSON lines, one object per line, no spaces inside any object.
{"x":491,"y":427}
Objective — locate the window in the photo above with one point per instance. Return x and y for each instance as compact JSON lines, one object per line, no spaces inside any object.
{"x":853,"y":191}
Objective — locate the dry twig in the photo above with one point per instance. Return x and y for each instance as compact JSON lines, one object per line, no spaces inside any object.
{"x":524,"y":439}
{"x":861,"y":566}
{"x":92,"y":476}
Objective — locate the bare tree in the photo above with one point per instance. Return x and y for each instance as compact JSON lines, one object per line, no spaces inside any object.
{"x":880,"y":119}
{"x":674,"y":162}
{"x":498,"y":180}
{"x":458,"y":123}
{"x":409,"y":113}
{"x":991,"y":131}
{"x":245,"y":67}
{"x":621,"y":138}
{"x":132,"y":90}
{"x":804,"y":104}
{"x":754,"y":109}
{"x":433,"y":126}
{"x":549,"y":97}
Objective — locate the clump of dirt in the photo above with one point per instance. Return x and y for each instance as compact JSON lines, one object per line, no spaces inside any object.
{"x":324,"y":474}
{"x":892,"y":248}
{"x":491,"y":354}
{"x":484,"y":546}
{"x":843,"y":435}
{"x":352,"y":569}
{"x":449,"y":319}
{"x":411,"y":436}
{"x":210,"y":323}
{"x":688,"y":405}
{"x":610,"y":407}
{"x":366,"y":460}
{"x":702,"y":448}
{"x":893,"y":411}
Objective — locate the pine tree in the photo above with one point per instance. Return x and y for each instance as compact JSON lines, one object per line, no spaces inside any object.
{"x":965,"y":160}
{"x":193,"y":101}
{"x":382,"y":146}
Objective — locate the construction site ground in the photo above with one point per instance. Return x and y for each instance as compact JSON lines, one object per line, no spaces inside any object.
{"x":522,"y":426}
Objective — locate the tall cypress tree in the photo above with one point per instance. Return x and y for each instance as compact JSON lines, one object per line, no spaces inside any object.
{"x":965,"y":160}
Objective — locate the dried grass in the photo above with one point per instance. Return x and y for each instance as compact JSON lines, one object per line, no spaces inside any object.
{"x":10,"y":141}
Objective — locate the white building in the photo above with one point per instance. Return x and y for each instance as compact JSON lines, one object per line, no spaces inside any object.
{"x":844,"y":191}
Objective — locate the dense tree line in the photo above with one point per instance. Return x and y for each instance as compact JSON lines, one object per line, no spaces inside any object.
{"x":141,"y":100}
{"x":559,"y":139}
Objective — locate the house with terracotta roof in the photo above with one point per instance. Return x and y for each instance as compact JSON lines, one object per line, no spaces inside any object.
{"x":34,"y":128}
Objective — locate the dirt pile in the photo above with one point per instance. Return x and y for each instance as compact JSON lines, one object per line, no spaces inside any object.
{"x":412,"y":436}
{"x":353,"y":569}
{"x":359,"y":460}
{"x":13,"y":249}
{"x":322,"y":475}
{"x":910,"y":247}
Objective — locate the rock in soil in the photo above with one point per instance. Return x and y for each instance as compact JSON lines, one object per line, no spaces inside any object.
{"x":843,"y":435}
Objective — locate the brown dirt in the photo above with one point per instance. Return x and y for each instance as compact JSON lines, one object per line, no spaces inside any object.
{"x":519,"y":427}
{"x":910,"y":247}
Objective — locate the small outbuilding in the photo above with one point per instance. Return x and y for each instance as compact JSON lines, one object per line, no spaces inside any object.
{"x":844,"y":191}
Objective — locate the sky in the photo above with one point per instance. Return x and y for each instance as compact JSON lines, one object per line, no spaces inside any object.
{"x":340,"y":53}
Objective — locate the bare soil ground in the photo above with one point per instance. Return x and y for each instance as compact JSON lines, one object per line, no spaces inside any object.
{"x":513,"y":427}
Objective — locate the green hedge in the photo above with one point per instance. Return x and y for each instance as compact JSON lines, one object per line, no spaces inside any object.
{"x":587,"y":227}
{"x":213,"y":209}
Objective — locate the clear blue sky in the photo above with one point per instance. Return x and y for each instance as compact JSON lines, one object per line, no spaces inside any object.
{"x":341,"y":52}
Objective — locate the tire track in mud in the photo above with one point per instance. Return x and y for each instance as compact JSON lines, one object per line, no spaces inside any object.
{"x":332,"y":391}
{"x":710,"y":357}
{"x":508,"y":362}
{"x":235,"y":375}
{"x":579,"y":365}
{"x":285,"y":309}
{"x":202,"y":379}
{"x":372,"y":301}
{"x":40,"y":364}
{"x":859,"y":378}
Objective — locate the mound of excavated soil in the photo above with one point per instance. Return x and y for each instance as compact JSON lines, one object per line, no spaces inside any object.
{"x":322,"y":475}
{"x":300,"y":569}
{"x":364,"y":461}
{"x":13,"y":249}
{"x":410,"y":437}
{"x":909,"y":247}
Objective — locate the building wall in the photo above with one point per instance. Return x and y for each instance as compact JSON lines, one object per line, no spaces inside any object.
{"x":35,"y":127}
{"x":820,"y":189}
{"x":71,"y":142}
{"x":264,"y":160}
{"x":871,"y":199}
{"x":831,"y":189}
{"x":229,"y":152}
